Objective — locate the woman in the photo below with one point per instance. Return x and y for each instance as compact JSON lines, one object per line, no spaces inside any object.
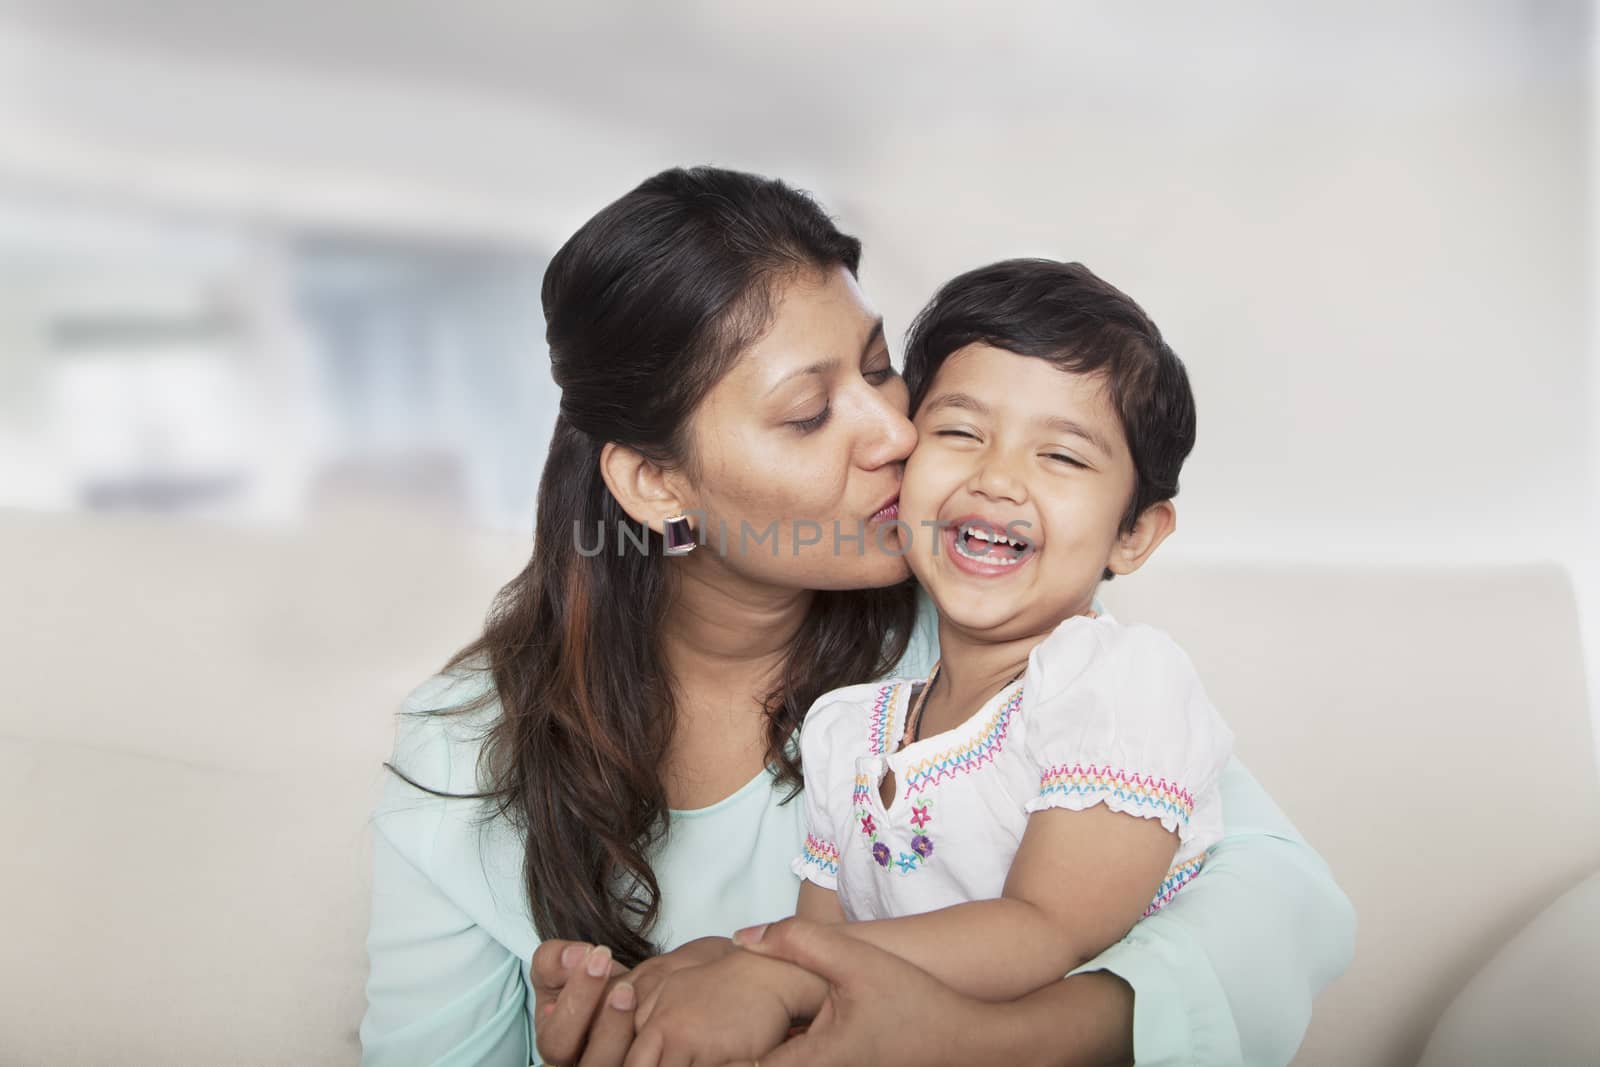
{"x":611,"y":763}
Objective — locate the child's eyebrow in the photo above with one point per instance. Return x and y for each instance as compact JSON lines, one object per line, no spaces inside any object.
{"x":959,"y":400}
{"x":1059,"y":423}
{"x":1076,"y":429}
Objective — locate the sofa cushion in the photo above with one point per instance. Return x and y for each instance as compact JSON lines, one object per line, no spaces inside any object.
{"x":164,"y":912}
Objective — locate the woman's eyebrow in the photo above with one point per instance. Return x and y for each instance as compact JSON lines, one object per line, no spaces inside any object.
{"x":823,"y":366}
{"x":873,"y":336}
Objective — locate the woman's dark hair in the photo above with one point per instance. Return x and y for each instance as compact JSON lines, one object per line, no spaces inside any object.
{"x":1064,"y":313}
{"x":646,"y":307}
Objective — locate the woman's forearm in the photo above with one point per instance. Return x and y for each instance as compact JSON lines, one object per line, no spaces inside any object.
{"x":885,"y":1010}
{"x":1082,"y":1021}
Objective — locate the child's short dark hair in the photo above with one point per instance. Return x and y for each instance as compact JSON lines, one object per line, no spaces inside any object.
{"x":1063,"y":313}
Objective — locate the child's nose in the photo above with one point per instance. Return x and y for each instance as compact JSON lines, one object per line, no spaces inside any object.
{"x":996,"y":480}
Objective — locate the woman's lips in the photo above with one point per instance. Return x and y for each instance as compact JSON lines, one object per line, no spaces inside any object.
{"x":888,"y":512}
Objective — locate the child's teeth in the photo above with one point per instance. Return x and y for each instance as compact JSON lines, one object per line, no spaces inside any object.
{"x":987,"y":557}
{"x":993,"y":538}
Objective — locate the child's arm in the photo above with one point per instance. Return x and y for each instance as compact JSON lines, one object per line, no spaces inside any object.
{"x":818,"y":904}
{"x":1079,"y":881}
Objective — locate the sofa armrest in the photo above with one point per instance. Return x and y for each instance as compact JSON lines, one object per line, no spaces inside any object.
{"x":1534,"y":1001}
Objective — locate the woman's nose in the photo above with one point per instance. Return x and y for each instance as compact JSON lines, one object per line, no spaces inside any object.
{"x":890,"y":437}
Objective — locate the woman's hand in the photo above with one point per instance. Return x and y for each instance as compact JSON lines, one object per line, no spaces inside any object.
{"x":733,"y":1010}
{"x":584,"y":1000}
{"x":571,"y":982}
{"x":880,"y":1009}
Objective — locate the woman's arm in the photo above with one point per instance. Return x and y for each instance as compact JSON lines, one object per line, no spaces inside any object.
{"x":439,"y":989}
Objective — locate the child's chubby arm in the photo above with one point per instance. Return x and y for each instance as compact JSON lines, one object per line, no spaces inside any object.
{"x":818,"y":904}
{"x":1078,"y":883}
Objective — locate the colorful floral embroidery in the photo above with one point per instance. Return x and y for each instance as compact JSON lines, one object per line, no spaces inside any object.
{"x":921,"y":844}
{"x":878,"y":721}
{"x":1177,"y":878}
{"x":1153,"y":794}
{"x":869,"y":825}
{"x":824,"y":854}
{"x":965,"y":759}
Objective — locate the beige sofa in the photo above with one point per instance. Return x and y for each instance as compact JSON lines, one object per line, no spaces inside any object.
{"x":195,"y":715}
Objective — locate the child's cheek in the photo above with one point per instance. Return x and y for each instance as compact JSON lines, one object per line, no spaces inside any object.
{"x":915,"y":492}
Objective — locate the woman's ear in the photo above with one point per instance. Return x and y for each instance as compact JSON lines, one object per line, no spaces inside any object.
{"x":1154,"y":525}
{"x":647,"y":492}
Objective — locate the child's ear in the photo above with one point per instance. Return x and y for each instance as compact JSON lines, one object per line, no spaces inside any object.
{"x":1153,"y":526}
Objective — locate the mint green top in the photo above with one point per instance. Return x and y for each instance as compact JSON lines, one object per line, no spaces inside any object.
{"x":1223,"y":975}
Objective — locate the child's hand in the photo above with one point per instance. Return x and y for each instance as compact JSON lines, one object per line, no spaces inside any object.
{"x":733,"y":1010}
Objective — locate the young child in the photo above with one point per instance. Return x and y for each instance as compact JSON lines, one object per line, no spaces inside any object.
{"x":1054,"y":779}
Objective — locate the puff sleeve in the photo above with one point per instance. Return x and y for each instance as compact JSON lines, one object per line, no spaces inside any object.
{"x":1116,"y":715}
{"x":819,"y":763}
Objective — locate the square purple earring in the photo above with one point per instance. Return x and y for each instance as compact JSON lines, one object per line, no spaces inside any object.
{"x":680,"y":536}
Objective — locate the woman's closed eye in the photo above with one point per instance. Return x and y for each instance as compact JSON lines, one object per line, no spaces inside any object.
{"x":814,"y":422}
{"x":881,"y":368}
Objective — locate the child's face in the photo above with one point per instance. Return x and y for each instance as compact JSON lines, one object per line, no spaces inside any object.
{"x":1005,"y":439}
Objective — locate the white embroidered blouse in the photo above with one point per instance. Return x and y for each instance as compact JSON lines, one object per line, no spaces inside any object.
{"x":1105,"y":713}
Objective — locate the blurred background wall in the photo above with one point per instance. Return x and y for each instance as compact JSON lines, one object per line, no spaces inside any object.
{"x":259,"y":259}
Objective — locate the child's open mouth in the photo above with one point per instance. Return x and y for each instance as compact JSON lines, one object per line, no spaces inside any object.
{"x":981,"y":548}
